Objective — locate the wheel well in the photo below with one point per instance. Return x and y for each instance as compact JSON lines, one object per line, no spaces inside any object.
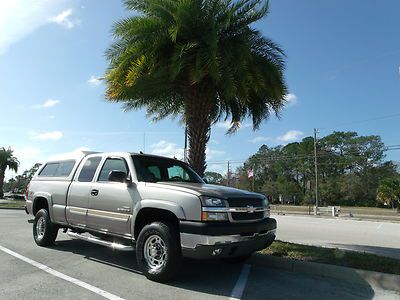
{"x":38,"y":204}
{"x":150,"y":215}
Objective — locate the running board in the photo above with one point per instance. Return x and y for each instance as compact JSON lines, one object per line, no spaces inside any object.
{"x":98,"y":241}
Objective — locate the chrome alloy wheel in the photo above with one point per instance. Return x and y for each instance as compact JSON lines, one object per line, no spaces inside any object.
{"x":155,"y":251}
{"x":40,"y":228}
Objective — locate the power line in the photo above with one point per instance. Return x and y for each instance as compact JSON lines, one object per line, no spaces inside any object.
{"x":363,"y":121}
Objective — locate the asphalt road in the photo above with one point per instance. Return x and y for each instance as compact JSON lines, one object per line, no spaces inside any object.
{"x":74,"y":269}
{"x":382,"y":238}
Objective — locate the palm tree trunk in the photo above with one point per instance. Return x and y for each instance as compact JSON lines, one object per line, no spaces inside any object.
{"x":199,"y":126}
{"x":2,"y":172}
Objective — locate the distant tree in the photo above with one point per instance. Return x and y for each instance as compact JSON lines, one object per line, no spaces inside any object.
{"x":389,"y":192}
{"x":350,"y":168}
{"x":7,"y":161}
{"x":214,"y":177}
{"x":20,"y":182}
{"x":200,"y":59}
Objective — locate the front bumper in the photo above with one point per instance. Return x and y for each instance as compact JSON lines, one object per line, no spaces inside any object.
{"x":218,"y":240}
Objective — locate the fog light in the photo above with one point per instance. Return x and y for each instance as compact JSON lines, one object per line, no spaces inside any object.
{"x":217,"y":251}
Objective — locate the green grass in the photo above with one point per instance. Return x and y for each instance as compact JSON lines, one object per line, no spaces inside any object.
{"x":13,"y":204}
{"x":336,"y":257}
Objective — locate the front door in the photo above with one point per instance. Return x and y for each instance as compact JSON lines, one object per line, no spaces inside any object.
{"x":78,"y":194}
{"x":111,"y":203}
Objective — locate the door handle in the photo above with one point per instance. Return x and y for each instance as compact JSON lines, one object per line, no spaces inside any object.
{"x":94,"y":192}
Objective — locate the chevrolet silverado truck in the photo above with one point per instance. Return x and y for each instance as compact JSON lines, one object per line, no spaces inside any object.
{"x":155,"y":205}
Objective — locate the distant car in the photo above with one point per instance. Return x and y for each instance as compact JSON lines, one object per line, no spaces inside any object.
{"x":156,"y":205}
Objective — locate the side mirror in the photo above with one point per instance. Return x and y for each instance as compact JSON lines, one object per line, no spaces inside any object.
{"x":205,"y":180}
{"x":117,"y":176}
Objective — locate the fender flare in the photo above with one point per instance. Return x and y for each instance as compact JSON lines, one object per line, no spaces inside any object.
{"x":169,"y":206}
{"x":49,"y":199}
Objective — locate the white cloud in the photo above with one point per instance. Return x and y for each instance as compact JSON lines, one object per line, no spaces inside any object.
{"x":165,"y":148}
{"x":291,"y":99}
{"x":260,"y":139}
{"x":291,"y":136}
{"x":227,"y":124}
{"x":211,"y":153}
{"x":27,"y":157}
{"x":168,"y":149}
{"x":51,"y":135}
{"x":51,"y":117}
{"x":64,"y":19}
{"x":94,"y":80}
{"x":67,"y":155}
{"x":19,"y":18}
{"x":48,"y":103}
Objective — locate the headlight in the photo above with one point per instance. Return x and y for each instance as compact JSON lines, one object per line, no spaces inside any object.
{"x":265,"y":202}
{"x":212,"y":202}
{"x":209,"y":205}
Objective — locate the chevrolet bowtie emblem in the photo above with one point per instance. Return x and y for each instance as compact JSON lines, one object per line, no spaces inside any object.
{"x":250,"y":209}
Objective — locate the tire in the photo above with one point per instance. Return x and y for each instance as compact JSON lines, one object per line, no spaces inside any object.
{"x":237,"y":259}
{"x":44,"y":231}
{"x":158,"y":251}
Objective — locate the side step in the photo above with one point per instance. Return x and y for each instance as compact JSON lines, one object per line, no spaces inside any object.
{"x":98,"y":241}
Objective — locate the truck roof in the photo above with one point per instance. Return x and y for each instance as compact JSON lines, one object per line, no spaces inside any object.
{"x":78,"y":155}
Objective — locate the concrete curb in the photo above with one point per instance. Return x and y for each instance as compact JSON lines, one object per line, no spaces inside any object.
{"x":378,"y":280}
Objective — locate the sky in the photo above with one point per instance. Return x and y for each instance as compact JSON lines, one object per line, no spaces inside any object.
{"x":343,"y":73}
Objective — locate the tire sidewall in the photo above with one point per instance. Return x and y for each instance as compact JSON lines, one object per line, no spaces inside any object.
{"x":173,"y":253}
{"x":50,"y":231}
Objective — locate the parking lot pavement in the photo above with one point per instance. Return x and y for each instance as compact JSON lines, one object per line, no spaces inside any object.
{"x":381,"y":238}
{"x":77,"y":269}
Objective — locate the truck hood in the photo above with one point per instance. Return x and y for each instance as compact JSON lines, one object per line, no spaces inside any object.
{"x":211,"y":190}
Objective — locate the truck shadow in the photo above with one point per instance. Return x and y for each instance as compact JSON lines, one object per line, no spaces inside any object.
{"x":218,"y":278}
{"x":211,"y":277}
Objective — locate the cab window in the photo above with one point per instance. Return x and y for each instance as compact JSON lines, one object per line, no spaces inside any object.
{"x":112,"y":164}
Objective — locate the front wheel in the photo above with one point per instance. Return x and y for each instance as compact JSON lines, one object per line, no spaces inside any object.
{"x":44,"y":231}
{"x":158,"y":251}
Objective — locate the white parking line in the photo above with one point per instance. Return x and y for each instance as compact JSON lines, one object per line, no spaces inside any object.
{"x":240,"y":285}
{"x":55,"y":273}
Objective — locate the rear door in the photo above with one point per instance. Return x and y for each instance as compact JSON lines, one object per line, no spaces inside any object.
{"x":111,"y":203}
{"x":80,"y":189}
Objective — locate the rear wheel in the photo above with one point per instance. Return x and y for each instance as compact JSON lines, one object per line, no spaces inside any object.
{"x":44,"y":231}
{"x":158,"y":251}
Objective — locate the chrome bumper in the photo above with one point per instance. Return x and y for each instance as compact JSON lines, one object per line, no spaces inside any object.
{"x":191,"y":241}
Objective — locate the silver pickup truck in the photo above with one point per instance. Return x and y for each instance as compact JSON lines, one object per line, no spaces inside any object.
{"x":156,"y":205}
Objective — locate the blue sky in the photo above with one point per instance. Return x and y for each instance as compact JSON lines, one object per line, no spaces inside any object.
{"x":342,"y":67}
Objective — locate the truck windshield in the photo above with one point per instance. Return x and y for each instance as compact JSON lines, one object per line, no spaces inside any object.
{"x":155,"y":169}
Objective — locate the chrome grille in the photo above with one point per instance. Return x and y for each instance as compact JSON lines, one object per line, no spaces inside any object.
{"x":246,"y":216}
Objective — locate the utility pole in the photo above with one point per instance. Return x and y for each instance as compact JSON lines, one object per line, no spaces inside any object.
{"x":316,"y":171}
{"x":228,"y":175}
{"x":144,"y":142}
{"x":185,"y":158}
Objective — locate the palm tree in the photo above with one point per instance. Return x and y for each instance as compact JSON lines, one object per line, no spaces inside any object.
{"x":200,"y":59}
{"x":7,"y":160}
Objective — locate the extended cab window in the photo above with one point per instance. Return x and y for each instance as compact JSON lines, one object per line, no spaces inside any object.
{"x":88,"y":169}
{"x":57,"y":169}
{"x":112,"y":164}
